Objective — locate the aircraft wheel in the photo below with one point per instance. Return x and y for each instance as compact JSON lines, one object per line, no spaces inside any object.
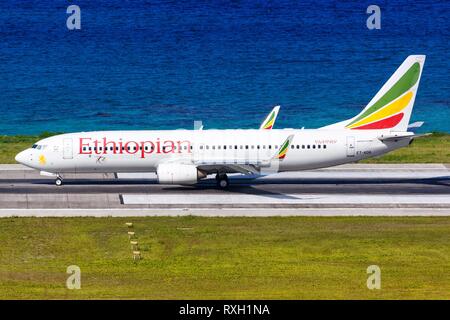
{"x":222,"y":181}
{"x":58,"y":182}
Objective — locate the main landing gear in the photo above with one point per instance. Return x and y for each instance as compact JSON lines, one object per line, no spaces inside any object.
{"x":222,"y":180}
{"x":58,"y":181}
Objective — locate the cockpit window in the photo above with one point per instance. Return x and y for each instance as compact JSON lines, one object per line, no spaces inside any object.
{"x":39,"y":146}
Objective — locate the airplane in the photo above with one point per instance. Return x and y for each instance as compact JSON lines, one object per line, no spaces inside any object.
{"x":184,"y":157}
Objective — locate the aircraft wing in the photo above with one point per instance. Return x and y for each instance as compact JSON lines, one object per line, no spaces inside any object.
{"x":269,"y":121}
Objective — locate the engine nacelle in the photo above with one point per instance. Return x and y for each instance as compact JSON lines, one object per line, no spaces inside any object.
{"x":170,"y":173}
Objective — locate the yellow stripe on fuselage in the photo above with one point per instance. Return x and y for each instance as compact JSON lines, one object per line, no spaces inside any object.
{"x":389,"y":110}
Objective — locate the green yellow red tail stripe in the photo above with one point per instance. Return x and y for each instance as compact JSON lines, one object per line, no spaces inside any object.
{"x":388,"y":110}
{"x":269,"y":122}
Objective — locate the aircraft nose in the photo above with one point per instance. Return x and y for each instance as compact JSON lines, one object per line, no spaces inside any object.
{"x":21,"y":157}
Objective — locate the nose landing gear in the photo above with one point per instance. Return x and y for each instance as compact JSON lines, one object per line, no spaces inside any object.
{"x":59,"y":181}
{"x":222,"y":180}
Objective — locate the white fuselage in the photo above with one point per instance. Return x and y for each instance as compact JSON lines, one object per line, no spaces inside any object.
{"x":143,"y":151}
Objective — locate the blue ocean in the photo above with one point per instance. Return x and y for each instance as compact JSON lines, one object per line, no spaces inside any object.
{"x":164,"y":64}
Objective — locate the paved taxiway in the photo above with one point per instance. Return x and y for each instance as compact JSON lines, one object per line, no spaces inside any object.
{"x":356,"y":189}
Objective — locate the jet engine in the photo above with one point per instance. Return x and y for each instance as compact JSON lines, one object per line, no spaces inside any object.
{"x":170,"y":173}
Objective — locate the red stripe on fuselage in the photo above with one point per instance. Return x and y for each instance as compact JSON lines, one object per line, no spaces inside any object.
{"x":382,"y":124}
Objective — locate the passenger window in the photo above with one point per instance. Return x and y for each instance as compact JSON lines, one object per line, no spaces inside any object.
{"x":308,"y":146}
{"x":246,"y":147}
{"x":270,"y":146}
{"x":318,"y":146}
{"x":324,"y":146}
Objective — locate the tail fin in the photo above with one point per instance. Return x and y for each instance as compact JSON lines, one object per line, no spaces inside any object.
{"x":392,"y":106}
{"x":269,"y":121}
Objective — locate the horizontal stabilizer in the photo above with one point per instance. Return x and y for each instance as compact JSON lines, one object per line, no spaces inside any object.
{"x":401,"y":135}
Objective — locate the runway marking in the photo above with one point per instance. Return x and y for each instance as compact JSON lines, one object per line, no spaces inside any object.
{"x":310,"y":212}
{"x":247,"y":199}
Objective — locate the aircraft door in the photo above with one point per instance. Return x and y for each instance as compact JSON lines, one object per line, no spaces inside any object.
{"x":67,"y":148}
{"x":351,"y":147}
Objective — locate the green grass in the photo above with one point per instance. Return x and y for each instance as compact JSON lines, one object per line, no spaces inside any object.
{"x":226,"y":258}
{"x":431,"y":149}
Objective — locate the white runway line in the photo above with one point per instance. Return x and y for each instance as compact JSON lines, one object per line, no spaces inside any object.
{"x":310,"y":212}
{"x":234,"y":198}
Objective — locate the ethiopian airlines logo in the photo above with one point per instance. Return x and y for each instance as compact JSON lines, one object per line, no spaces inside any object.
{"x":142,"y":148}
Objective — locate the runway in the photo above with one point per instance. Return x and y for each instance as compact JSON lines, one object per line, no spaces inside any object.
{"x":356,"y":189}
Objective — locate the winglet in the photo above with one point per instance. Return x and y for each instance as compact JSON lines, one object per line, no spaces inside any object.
{"x":269,"y":121}
{"x":281,"y":154}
